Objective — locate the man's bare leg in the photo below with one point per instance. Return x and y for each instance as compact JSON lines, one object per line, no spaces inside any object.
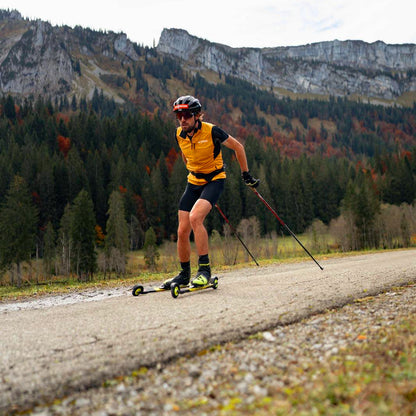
{"x":197,"y":216}
{"x":184,"y":232}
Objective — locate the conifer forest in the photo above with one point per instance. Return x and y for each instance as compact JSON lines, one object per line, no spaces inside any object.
{"x":74,"y":164}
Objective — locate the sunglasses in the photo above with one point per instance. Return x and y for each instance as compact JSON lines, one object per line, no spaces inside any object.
{"x":184,"y":114}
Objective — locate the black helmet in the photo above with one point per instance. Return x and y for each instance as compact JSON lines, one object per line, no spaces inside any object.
{"x":187,"y":103}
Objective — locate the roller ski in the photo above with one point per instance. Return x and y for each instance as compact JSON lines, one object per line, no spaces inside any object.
{"x":176,"y":290}
{"x":180,"y":284}
{"x":182,"y":279}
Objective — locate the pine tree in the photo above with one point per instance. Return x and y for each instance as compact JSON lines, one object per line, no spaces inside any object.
{"x":117,"y":239}
{"x":49,"y":249}
{"x":64,"y":246}
{"x":362,"y":205}
{"x":151,"y":252}
{"x":82,"y":232}
{"x":9,"y":108}
{"x":18,"y":221}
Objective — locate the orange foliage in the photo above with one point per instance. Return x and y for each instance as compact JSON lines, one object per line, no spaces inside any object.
{"x":63,"y":117}
{"x":171,"y":159}
{"x":122,"y":189}
{"x":99,"y":235}
{"x":330,"y":151}
{"x":293,"y":149}
{"x":64,"y":144}
{"x":407,"y":154}
{"x":359,"y":166}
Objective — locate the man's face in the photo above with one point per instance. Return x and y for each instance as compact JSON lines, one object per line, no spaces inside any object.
{"x":186,"y":120}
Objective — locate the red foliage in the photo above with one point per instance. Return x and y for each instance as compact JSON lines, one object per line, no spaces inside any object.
{"x":406,"y":153}
{"x":171,"y":159}
{"x":64,"y":144}
{"x":122,"y":189}
{"x":36,"y":197}
{"x":294,"y":149}
{"x":63,"y":117}
{"x":140,"y":211}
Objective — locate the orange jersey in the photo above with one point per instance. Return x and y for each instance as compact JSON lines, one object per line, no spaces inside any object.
{"x":202,"y":152}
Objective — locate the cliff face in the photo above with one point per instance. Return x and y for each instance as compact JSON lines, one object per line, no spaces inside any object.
{"x":337,"y":68}
{"x":36,"y":61}
{"x":39,"y":59}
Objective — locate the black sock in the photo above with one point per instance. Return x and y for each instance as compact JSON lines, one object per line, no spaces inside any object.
{"x":203,"y":260}
{"x":186,"y":266}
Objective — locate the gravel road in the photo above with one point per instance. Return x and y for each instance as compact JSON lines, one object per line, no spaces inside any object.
{"x":60,"y":345}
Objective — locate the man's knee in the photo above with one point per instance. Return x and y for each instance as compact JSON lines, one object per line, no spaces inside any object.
{"x":196,"y":219}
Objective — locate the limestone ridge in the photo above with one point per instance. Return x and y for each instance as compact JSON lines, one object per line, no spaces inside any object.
{"x":338,"y":67}
{"x":37,"y":58}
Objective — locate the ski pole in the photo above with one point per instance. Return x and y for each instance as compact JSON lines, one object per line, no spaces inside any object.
{"x":284,"y":225}
{"x":235,"y":232}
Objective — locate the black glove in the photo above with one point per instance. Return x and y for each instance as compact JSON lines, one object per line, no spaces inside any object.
{"x":249,"y":180}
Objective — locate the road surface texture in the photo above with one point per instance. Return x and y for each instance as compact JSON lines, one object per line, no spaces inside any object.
{"x":59,"y":345}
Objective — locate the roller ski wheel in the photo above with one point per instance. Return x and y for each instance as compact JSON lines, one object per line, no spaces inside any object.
{"x":137,"y":290}
{"x":175,"y":290}
{"x":141,"y":290}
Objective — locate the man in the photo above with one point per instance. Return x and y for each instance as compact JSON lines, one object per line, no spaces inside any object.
{"x":200,"y":144}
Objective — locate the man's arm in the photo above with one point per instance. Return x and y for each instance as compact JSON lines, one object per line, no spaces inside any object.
{"x":240,"y":154}
{"x":239,"y":151}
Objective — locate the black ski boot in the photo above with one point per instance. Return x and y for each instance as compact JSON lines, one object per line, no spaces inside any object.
{"x":182,"y":279}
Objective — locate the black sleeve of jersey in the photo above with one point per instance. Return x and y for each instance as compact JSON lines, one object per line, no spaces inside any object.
{"x":219,"y":134}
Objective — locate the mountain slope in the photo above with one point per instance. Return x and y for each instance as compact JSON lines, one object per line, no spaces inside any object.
{"x":376,"y":70}
{"x":38,"y":59}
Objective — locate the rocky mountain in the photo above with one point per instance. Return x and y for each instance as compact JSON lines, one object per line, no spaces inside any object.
{"x":37,"y":58}
{"x":339,"y":68}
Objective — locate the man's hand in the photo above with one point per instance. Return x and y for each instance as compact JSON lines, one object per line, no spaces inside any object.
{"x":249,"y":180}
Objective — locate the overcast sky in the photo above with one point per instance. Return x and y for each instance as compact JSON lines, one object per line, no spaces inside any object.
{"x":254,"y":23}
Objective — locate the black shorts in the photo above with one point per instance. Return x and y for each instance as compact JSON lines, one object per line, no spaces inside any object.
{"x":210,"y":191}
